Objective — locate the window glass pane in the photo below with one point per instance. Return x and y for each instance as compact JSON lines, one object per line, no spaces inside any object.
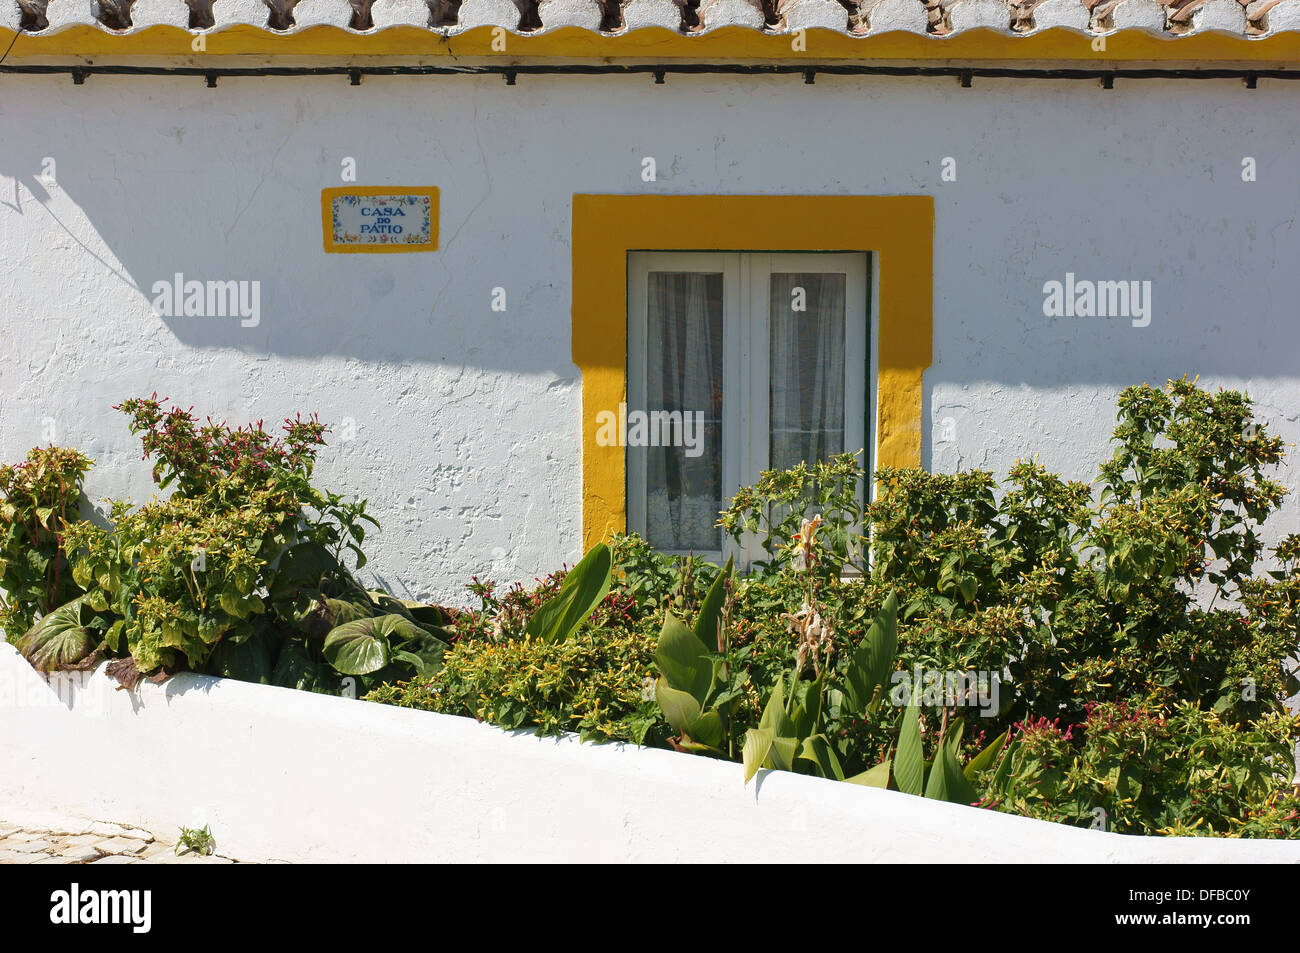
{"x":807,"y":368}
{"x":684,"y":398}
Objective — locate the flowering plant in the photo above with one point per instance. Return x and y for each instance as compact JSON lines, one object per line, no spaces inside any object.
{"x":39,"y":497}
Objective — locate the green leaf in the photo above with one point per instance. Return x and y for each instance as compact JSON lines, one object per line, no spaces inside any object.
{"x":774,"y":717}
{"x":969,"y":585}
{"x":350,"y":608}
{"x":807,"y":716}
{"x":683,"y":660}
{"x":61,"y":638}
{"x":985,"y":758}
{"x":877,"y":777}
{"x":83,"y":573}
{"x":783,"y":753}
{"x":947,"y":783}
{"x":909,"y":759}
{"x":294,"y":668}
{"x":234,"y":604}
{"x":423,"y":667}
{"x":819,"y":751}
{"x":114,"y":635}
{"x":302,"y":567}
{"x":679,"y":708}
{"x":871,"y":661}
{"x":706,"y":729}
{"x":583,"y":589}
{"x":362,"y":646}
{"x":1003,"y":771}
{"x":247,"y":661}
{"x":758,"y":742}
{"x":430,"y":617}
{"x":706,"y":622}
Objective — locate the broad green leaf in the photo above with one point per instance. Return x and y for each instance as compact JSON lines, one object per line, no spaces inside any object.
{"x":363,"y":646}
{"x":680,"y":708}
{"x":871,"y":661}
{"x":83,"y":573}
{"x":350,"y":608}
{"x":683,"y":659}
{"x":232,"y":603}
{"x":877,"y":777}
{"x":706,"y":622}
{"x":947,"y":783}
{"x":758,"y":742}
{"x":583,"y":589}
{"x":302,"y":567}
{"x":706,"y":729}
{"x":985,"y":758}
{"x":419,"y":612}
{"x":423,"y":667}
{"x":698,"y":747}
{"x":909,"y":759}
{"x":247,"y":661}
{"x":774,"y":717}
{"x":819,"y":751}
{"x":61,"y":638}
{"x":783,"y":753}
{"x":807,"y":716}
{"x":294,"y":668}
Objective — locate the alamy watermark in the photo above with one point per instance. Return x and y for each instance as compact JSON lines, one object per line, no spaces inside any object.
{"x":1100,"y":299}
{"x":133,"y":908}
{"x":935,"y":688}
{"x":178,"y":298}
{"x":651,"y":428}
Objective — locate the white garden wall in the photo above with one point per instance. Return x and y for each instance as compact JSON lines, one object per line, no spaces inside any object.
{"x":280,"y":774}
{"x":466,"y":419}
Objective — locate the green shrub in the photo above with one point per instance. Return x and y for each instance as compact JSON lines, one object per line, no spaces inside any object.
{"x":1077,"y":598}
{"x":38,"y":499}
{"x":594,"y":684}
{"x":652,"y":581}
{"x":242,"y":571}
{"x":1138,"y":769}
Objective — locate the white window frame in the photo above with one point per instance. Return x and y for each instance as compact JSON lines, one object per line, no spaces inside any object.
{"x":746,"y":363}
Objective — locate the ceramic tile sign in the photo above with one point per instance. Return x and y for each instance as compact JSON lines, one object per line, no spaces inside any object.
{"x":379,"y":219}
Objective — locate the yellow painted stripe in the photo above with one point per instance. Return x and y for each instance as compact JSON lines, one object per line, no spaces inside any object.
{"x":727,"y":43}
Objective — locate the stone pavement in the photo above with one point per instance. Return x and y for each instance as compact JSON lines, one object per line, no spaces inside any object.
{"x":91,"y":842}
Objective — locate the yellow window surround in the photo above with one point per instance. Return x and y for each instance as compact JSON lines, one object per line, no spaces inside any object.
{"x":898,"y":231}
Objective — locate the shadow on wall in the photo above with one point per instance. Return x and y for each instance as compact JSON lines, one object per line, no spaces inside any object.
{"x":153,"y":191}
{"x":224,"y":185}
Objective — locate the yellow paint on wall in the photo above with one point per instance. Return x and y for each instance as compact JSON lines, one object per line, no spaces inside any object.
{"x":726,"y":43}
{"x":898,"y":230}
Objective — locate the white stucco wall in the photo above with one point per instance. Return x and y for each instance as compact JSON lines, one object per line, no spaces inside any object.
{"x":287,"y":775}
{"x":466,"y":419}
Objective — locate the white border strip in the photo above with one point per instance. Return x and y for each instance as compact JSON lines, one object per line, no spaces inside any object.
{"x":281,"y":774}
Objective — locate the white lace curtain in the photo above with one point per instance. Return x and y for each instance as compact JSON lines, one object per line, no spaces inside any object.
{"x":807,"y":369}
{"x":684,"y":345}
{"x":684,"y":373}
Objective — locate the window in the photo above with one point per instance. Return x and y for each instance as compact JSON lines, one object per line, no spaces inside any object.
{"x":737,"y":362}
{"x":896,"y":230}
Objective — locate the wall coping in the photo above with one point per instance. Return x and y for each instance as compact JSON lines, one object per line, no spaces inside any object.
{"x":289,"y":775}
